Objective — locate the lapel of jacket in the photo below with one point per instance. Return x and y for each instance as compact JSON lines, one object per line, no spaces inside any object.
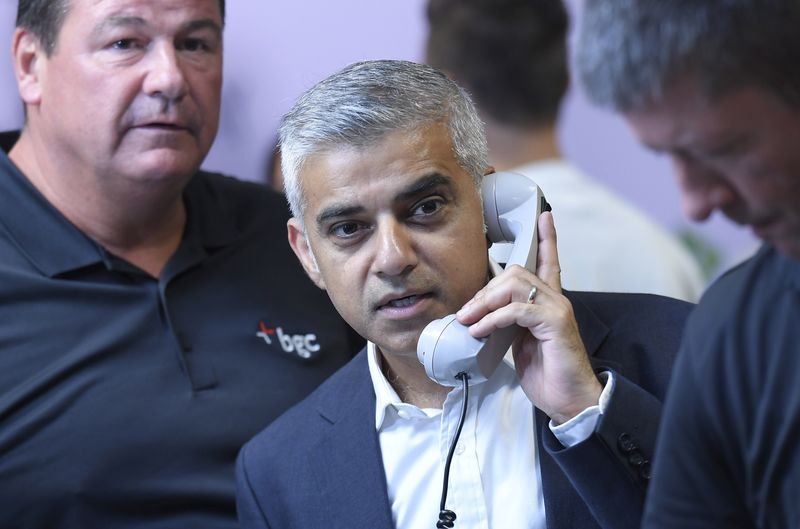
{"x":351,"y":475}
{"x":563,"y":506}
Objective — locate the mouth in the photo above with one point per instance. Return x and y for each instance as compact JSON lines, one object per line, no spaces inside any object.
{"x":402,"y":302}
{"x":157,"y":122}
{"x":162,"y":126}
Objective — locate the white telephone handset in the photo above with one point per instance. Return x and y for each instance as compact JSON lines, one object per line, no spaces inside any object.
{"x":511,"y":207}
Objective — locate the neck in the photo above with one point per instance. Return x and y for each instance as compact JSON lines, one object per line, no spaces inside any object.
{"x":412,"y":385}
{"x":512,"y":147}
{"x":140,"y":222}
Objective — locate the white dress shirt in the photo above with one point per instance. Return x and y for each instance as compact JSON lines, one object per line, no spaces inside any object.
{"x":495,"y":480}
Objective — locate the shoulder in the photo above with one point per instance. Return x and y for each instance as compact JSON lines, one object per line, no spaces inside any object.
{"x":632,"y":311}
{"x":752,"y":282}
{"x":636,"y":335}
{"x":751,"y":307}
{"x":246,"y":203}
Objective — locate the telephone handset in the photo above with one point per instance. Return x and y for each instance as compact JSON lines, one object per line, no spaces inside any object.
{"x":511,"y":204}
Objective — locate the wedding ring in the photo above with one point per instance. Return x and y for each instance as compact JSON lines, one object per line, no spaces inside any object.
{"x":532,"y":294}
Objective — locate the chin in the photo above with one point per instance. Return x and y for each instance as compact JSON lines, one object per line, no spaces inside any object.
{"x":399,"y":346}
{"x":164,"y":167}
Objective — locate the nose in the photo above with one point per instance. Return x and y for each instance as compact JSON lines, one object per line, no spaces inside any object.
{"x":165,"y":77}
{"x":395,"y":253}
{"x":703,"y":190}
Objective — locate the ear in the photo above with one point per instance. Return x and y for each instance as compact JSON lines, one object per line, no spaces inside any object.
{"x":28,"y":56}
{"x":489,"y":170}
{"x":299,"y":243}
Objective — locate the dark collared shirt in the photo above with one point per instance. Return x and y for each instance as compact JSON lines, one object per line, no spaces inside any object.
{"x":124,"y":399}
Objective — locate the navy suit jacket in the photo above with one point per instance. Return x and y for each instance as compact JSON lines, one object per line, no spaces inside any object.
{"x":320,"y":465}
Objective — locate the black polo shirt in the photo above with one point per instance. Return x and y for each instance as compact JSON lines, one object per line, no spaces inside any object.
{"x":124,"y":399}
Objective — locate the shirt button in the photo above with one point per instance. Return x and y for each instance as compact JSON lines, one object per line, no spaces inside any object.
{"x":403,"y":414}
{"x":459,"y":449}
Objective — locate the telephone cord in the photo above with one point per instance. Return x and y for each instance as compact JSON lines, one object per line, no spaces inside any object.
{"x":447,"y":517}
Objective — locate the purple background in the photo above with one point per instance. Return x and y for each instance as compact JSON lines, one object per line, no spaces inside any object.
{"x":274,"y":50}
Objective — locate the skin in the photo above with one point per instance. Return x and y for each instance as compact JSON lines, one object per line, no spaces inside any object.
{"x":395,"y":235}
{"x":120,"y":116}
{"x":736,"y":154}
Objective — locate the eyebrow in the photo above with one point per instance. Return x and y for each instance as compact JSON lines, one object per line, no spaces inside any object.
{"x":203,"y":23}
{"x":420,"y":186}
{"x":117,"y":21}
{"x":424,"y":184}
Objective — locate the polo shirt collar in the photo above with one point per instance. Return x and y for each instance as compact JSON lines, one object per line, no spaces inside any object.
{"x":52,"y":243}
{"x":209,"y":219}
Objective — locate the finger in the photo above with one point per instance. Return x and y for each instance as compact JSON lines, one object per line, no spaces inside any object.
{"x":518,"y":313}
{"x":548,"y":267}
{"x":513,"y":285}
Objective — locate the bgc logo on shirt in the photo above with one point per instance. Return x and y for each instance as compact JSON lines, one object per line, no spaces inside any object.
{"x":302,"y":345}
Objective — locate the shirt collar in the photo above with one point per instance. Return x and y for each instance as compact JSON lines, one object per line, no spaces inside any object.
{"x":385,"y":395}
{"x":209,"y":218}
{"x":52,"y":243}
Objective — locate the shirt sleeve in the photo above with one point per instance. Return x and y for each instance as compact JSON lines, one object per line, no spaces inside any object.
{"x":580,"y":427}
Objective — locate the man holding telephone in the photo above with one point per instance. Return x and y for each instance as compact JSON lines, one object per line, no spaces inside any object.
{"x":383,"y":164}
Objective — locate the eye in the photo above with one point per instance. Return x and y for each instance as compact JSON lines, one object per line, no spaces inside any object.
{"x":124,"y":44}
{"x":345,"y":230}
{"x":192,"y":44}
{"x":427,"y":207}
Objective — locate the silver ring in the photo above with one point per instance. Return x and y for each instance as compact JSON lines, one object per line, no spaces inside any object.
{"x":532,"y":294}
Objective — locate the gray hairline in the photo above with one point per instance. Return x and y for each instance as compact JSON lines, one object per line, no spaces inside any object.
{"x":295,"y":194}
{"x":465,"y":130}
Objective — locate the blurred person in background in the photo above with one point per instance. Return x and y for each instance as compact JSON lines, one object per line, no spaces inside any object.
{"x":511,"y":55}
{"x":714,"y":85}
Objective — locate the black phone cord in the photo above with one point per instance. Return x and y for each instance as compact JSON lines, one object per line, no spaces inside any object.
{"x":447,"y":518}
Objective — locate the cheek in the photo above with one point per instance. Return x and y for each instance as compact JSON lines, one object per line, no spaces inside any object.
{"x":206,"y":87}
{"x":206,"y":95}
{"x":344,"y":277}
{"x":466,"y":262}
{"x":767,"y":184}
{"x":346,"y":293}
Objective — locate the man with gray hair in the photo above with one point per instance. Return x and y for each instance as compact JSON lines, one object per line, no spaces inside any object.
{"x":715,"y":86}
{"x":383,"y":163}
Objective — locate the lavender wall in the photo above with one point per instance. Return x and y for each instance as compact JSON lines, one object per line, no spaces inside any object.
{"x":274,"y":50}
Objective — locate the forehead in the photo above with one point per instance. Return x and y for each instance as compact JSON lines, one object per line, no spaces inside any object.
{"x":681,"y":113}
{"x":148,"y":11}
{"x":685,"y":116}
{"x":376,"y":172}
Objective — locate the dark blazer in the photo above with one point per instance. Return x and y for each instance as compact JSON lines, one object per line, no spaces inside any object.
{"x":319,"y":465}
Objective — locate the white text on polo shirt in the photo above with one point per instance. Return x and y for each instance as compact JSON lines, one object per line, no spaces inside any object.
{"x":300,"y":344}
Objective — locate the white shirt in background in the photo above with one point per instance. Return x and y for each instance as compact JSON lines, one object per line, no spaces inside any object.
{"x":605,"y":244}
